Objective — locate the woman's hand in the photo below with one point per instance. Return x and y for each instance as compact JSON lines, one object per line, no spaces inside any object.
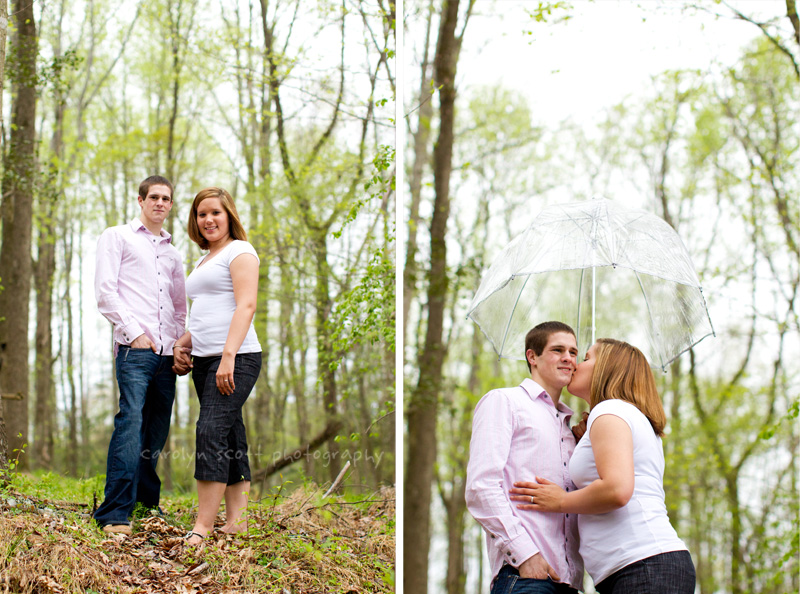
{"x":182,"y":354}
{"x":542,"y":495}
{"x":182,"y":360}
{"x":225,"y":383}
{"x":579,"y":429}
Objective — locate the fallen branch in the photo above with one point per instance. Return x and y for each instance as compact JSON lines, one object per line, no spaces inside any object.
{"x":297,"y":454}
{"x":338,"y":479}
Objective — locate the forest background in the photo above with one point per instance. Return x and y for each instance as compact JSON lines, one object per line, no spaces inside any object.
{"x":714,"y":149}
{"x":287,"y":104}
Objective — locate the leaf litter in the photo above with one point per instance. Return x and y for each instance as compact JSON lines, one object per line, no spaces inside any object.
{"x":304,"y":544}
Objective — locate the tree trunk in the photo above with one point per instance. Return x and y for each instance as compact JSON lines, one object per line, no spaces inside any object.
{"x":72,"y":413}
{"x":456,"y":504}
{"x":84,"y":392}
{"x":3,"y":35}
{"x":422,"y":409}
{"x":15,"y":257}
{"x":456,"y":509}
{"x":421,"y":160}
{"x":44,"y":271}
{"x":44,"y":417}
{"x":298,"y":383}
{"x":734,"y":509}
{"x":325,"y":355}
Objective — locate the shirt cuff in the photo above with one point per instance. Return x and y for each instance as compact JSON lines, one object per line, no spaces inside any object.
{"x":127,"y":334}
{"x":519,"y":550}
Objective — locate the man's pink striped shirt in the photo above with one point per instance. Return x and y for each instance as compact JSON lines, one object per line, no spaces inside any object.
{"x":518,"y":434}
{"x":140,"y":285}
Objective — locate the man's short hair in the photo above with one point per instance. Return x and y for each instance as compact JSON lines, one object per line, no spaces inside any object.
{"x":537,"y":337}
{"x":155,"y":180}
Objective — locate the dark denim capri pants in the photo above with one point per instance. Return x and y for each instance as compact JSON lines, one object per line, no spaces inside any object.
{"x":667,"y":573}
{"x":221,"y":448}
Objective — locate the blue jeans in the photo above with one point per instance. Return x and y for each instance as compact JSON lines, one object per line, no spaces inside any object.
{"x":667,"y":573}
{"x":146,"y":392}
{"x":509,"y":582}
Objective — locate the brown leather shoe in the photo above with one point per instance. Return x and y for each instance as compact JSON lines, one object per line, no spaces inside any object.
{"x":117,"y":529}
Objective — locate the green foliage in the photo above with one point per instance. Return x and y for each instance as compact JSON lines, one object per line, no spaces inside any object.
{"x":376,"y":186}
{"x":47,"y":485}
{"x":787,"y":420}
{"x":57,"y":75}
{"x":544,"y":12}
{"x":365,"y":314}
{"x":16,"y":454}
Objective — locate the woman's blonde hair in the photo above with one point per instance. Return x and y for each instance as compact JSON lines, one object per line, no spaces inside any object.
{"x":235,"y":227}
{"x":621,"y":371}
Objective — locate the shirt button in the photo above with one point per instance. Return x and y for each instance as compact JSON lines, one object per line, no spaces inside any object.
{"x":513,"y":560}
{"x":564,"y":462}
{"x":493,"y":536}
{"x":508,"y":553}
{"x":567,"y":515}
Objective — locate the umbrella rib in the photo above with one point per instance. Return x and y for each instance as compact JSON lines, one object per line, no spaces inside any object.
{"x":647,"y":303}
{"x":691,"y":346}
{"x":705,"y":308}
{"x":513,"y":309}
{"x":580,"y":292}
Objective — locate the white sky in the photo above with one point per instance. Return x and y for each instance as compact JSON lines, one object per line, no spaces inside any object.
{"x":607,"y":50}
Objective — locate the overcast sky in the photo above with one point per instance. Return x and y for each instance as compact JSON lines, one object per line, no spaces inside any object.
{"x":607,"y":50}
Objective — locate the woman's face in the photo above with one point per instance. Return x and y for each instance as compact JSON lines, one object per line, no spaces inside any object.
{"x":212,"y":220}
{"x":581,"y":383}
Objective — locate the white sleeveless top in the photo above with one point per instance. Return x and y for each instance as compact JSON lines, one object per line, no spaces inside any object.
{"x":639,"y":529}
{"x":210,"y":288}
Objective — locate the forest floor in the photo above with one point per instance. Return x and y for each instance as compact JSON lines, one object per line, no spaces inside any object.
{"x":296,"y":543}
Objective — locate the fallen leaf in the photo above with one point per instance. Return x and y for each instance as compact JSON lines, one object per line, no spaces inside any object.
{"x":197,"y":568}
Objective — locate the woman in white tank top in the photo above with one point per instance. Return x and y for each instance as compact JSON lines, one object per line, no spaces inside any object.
{"x":627,"y":543}
{"x":224,"y":355}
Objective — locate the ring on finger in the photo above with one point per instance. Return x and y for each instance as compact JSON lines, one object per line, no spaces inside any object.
{"x":531,"y":498}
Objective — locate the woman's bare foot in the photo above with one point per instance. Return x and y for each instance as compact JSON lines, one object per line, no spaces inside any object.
{"x":237,"y":528}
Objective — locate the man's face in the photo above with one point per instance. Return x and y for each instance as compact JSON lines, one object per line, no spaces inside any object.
{"x":156,"y":205}
{"x":581,"y":383}
{"x":553,"y":369}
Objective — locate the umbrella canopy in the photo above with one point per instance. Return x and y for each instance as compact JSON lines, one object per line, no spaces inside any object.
{"x":607,"y":271}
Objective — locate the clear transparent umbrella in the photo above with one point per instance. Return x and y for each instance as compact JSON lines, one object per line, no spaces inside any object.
{"x":606,"y":270}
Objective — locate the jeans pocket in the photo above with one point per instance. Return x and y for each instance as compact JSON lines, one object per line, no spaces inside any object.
{"x":532,"y":586}
{"x":504,"y":584}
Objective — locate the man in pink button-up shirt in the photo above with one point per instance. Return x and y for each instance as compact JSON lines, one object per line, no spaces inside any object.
{"x":140,"y":289}
{"x":525,"y":432}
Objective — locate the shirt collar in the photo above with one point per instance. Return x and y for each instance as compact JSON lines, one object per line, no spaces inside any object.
{"x":534,"y":391}
{"x":137,"y":224}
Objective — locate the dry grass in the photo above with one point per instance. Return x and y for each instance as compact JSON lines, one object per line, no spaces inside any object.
{"x":298,"y":545}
